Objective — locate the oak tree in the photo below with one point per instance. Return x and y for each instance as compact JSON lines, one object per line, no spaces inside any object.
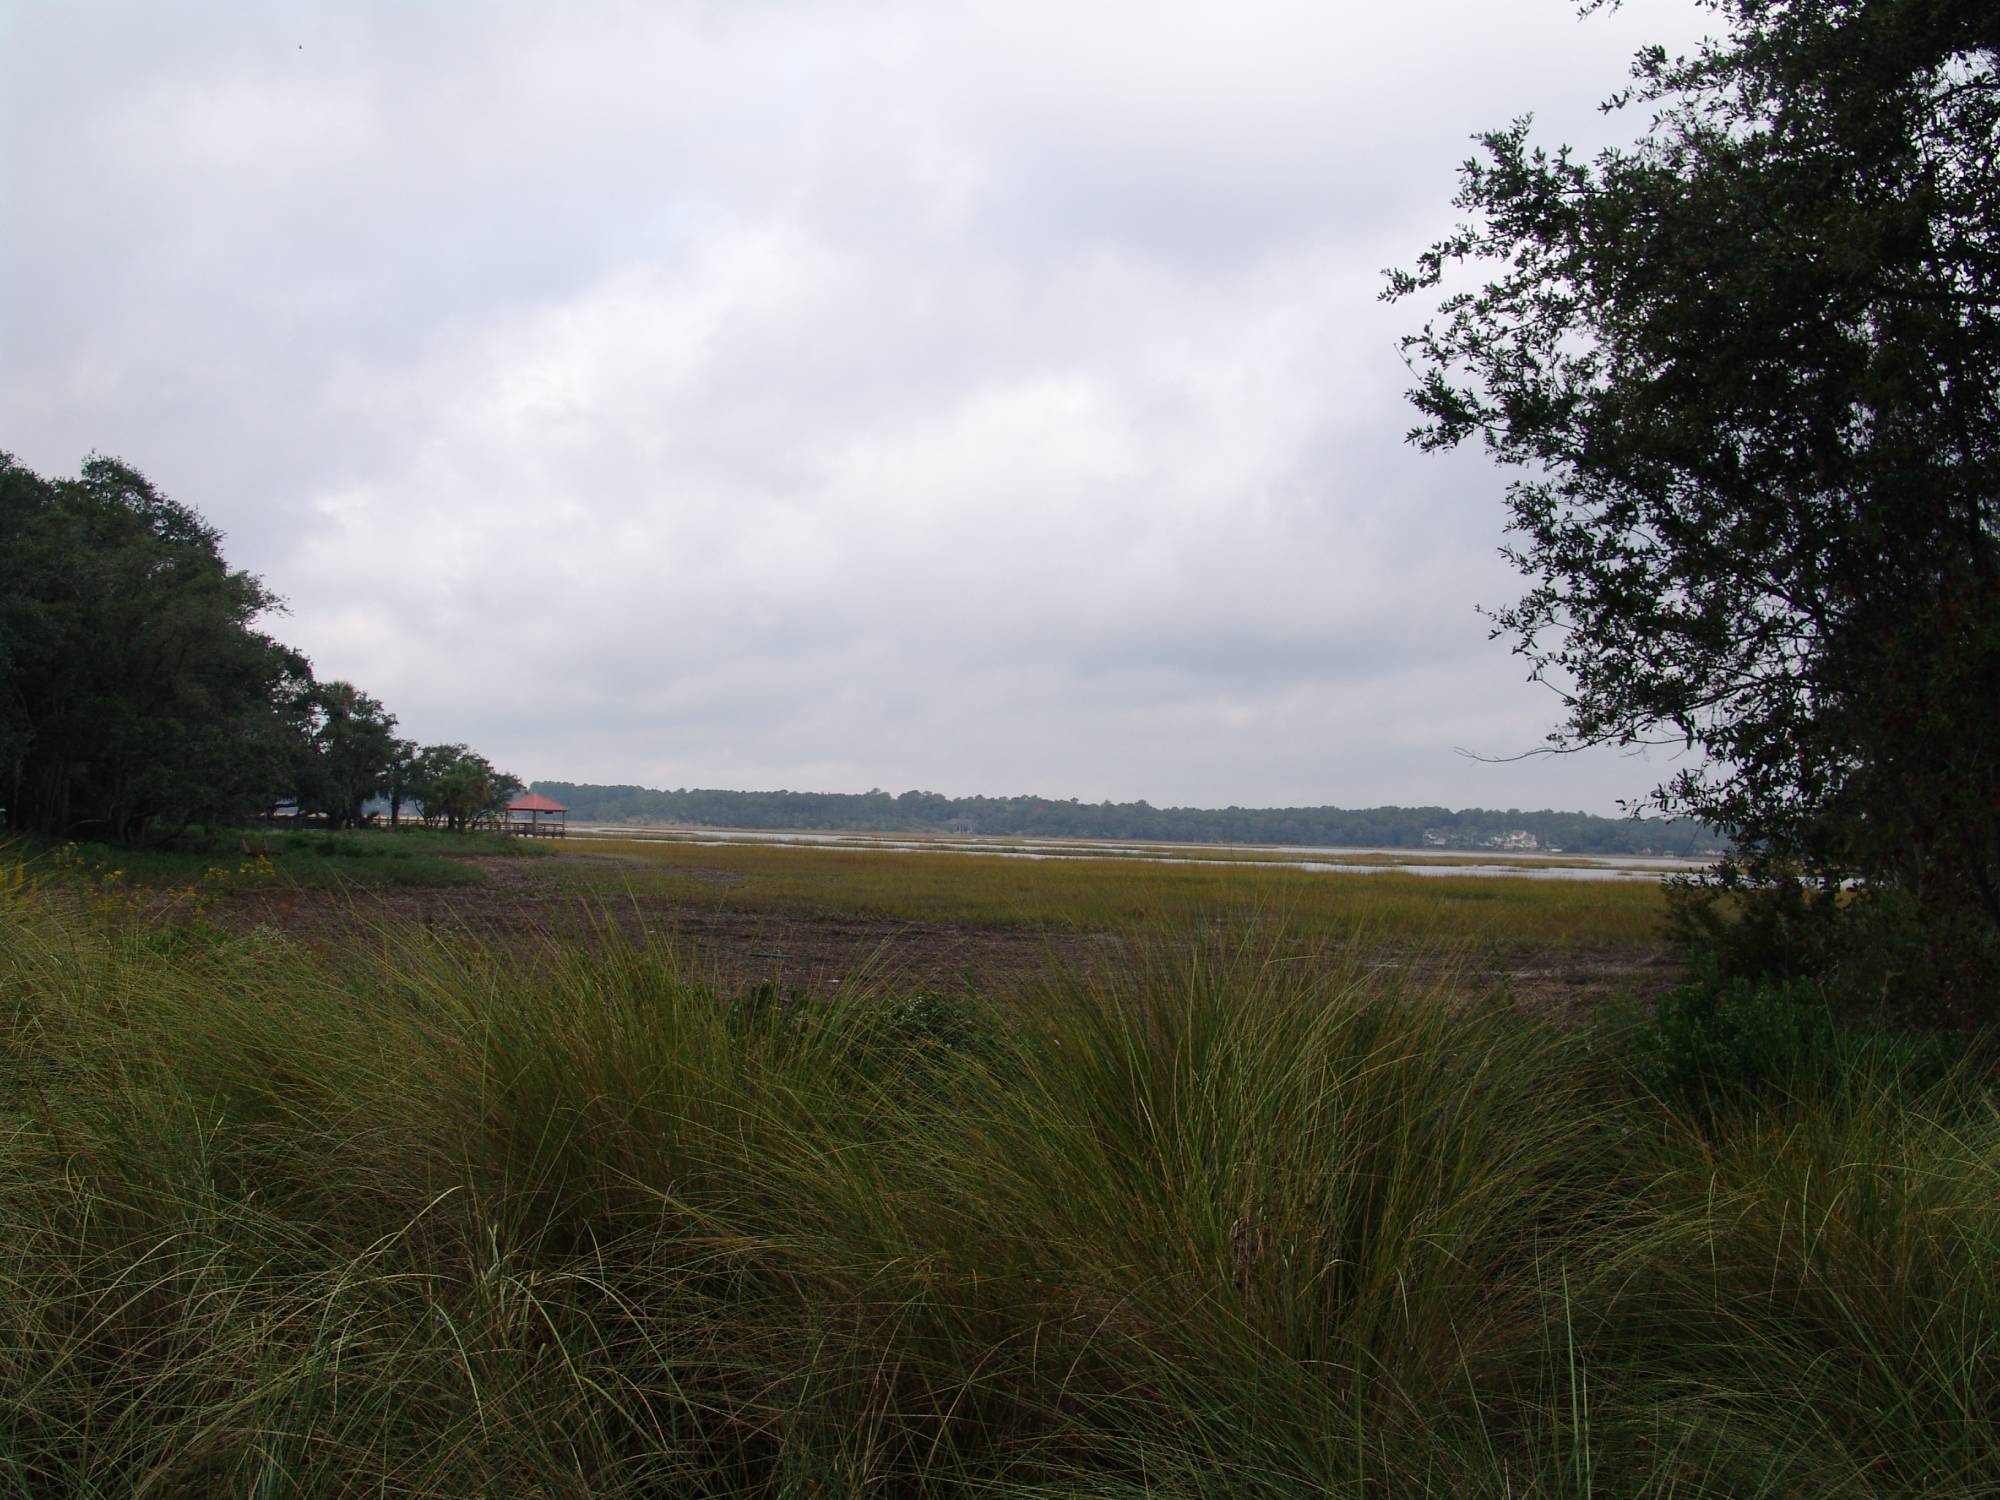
{"x":1748,"y":371}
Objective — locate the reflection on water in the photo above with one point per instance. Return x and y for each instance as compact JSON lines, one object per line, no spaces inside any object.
{"x":1262,"y":856}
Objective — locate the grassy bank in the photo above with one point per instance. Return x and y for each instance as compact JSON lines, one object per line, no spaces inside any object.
{"x":443,"y":1221}
{"x":368,"y":857}
{"x":1112,"y":894}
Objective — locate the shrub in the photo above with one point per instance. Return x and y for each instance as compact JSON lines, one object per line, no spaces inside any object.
{"x":1872,"y":951}
{"x":1776,"y":929}
{"x":1715,"y":1037}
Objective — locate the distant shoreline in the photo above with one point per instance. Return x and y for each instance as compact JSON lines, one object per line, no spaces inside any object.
{"x":930,"y":815}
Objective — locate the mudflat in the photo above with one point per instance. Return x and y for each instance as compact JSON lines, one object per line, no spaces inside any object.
{"x":734,"y":934}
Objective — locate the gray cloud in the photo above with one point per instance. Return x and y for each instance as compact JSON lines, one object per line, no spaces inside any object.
{"x":989,"y":398}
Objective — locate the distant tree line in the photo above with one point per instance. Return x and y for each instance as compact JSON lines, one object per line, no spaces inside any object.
{"x":1019,"y":817}
{"x":139,"y":699}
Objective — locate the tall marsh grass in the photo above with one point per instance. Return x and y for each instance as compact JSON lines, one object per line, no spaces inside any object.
{"x":443,"y":1221}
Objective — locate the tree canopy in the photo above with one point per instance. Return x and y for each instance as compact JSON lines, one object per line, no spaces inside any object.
{"x":138,"y":695}
{"x":457,"y":787}
{"x":349,"y":752}
{"x":1749,"y":369}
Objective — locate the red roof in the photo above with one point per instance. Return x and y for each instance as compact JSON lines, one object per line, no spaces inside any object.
{"x":534,"y":802}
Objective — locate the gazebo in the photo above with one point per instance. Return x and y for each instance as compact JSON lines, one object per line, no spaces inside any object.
{"x":526,"y":812}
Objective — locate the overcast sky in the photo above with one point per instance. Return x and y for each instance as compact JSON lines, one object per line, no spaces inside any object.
{"x":981,"y":397}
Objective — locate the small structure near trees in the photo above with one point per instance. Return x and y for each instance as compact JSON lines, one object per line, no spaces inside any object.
{"x":534,"y":816}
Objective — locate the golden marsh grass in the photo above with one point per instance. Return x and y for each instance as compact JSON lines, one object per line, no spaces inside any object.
{"x":1119,"y":893}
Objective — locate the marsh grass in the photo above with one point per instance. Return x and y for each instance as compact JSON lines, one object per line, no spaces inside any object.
{"x":1088,"y":847}
{"x":315,"y":860}
{"x":443,"y":1220}
{"x":1102,"y":895}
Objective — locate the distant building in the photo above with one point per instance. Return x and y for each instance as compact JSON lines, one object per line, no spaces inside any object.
{"x":534,"y":816}
{"x":1518,"y":840}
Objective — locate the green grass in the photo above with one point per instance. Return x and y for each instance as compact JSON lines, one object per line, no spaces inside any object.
{"x":437,"y":1220}
{"x":360,"y":857}
{"x":1102,"y":895}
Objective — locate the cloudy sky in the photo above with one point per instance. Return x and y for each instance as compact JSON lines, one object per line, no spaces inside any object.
{"x":982,"y":397}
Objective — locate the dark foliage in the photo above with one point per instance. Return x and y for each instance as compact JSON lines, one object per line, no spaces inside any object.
{"x":136,"y":694}
{"x":1715,"y":1040}
{"x":1750,"y":368}
{"x":139,"y":700}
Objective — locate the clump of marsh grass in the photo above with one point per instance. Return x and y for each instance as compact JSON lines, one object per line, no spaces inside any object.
{"x":1297,"y":1204}
{"x":434,"y":1219}
{"x":1805,"y":1295}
